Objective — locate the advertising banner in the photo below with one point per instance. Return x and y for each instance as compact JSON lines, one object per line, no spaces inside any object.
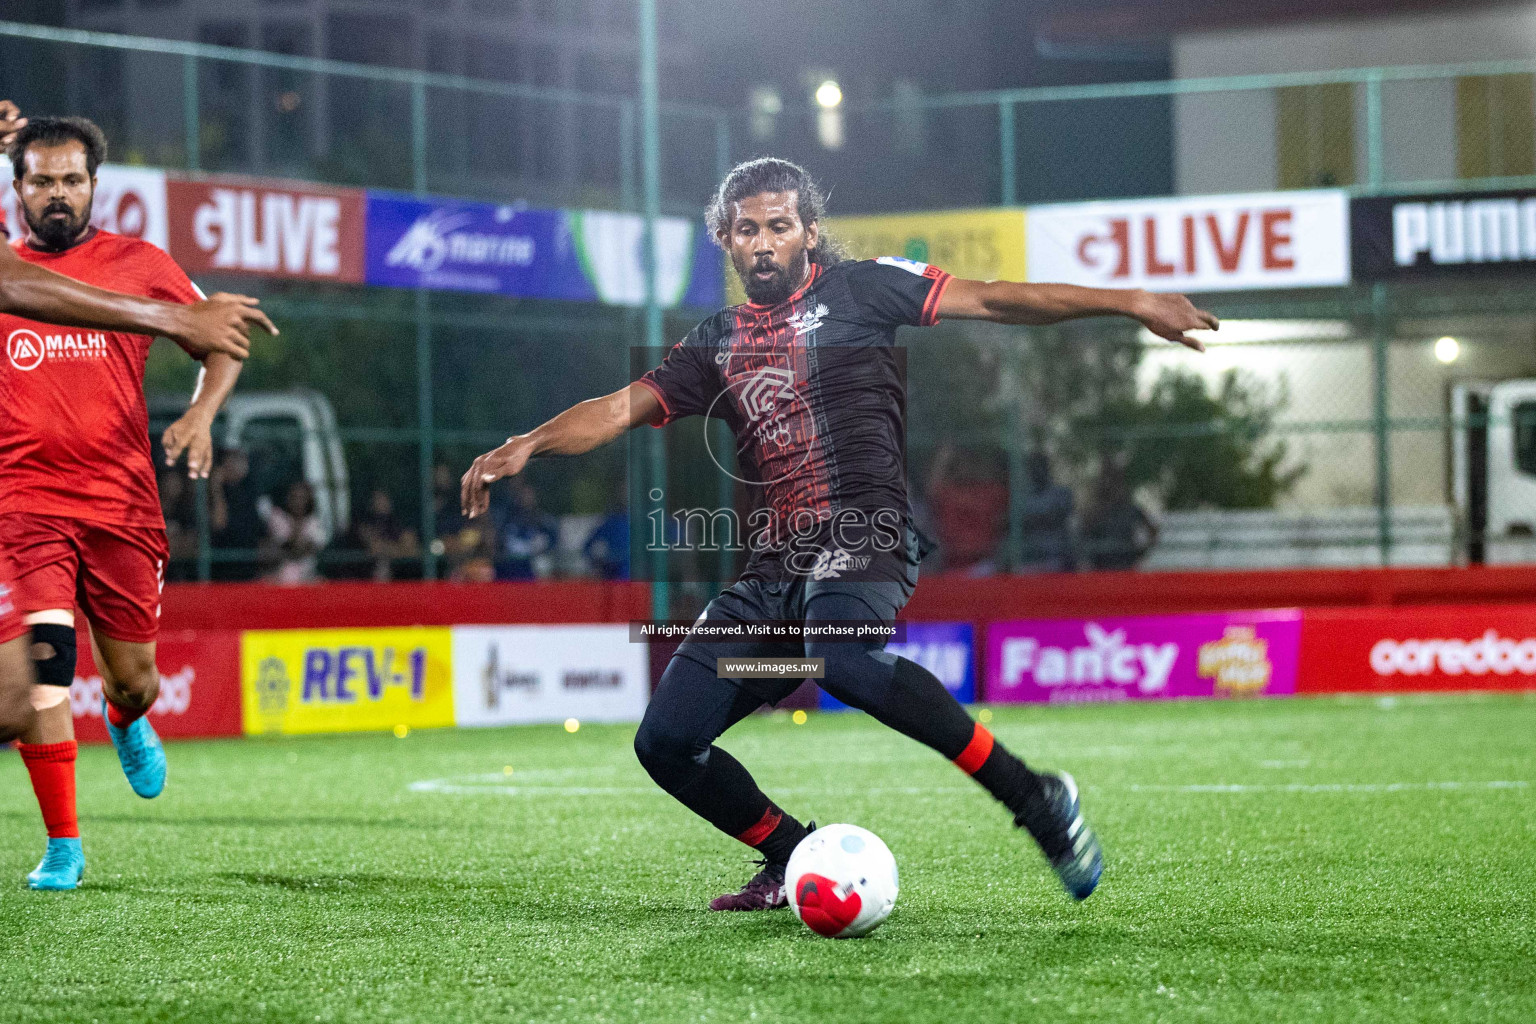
{"x":1227,"y":654}
{"x":345,"y":680}
{"x":199,"y":687}
{"x":1194,"y":244}
{"x":511,"y":674}
{"x":457,"y":245}
{"x":947,"y":649}
{"x":129,"y":201}
{"x":287,"y":229}
{"x":688,"y":272}
{"x":1384,"y":650}
{"x":1429,"y":236}
{"x":986,"y":245}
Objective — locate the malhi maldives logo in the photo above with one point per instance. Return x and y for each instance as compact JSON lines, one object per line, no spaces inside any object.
{"x":27,"y":349}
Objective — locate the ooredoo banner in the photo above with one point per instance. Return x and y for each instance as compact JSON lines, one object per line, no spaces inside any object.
{"x":129,"y":201}
{"x":947,"y":649}
{"x":1196,"y":244}
{"x":504,"y":675}
{"x":1371,"y":650}
{"x":1228,"y":654}
{"x":287,"y":229}
{"x":345,"y":680}
{"x":199,"y":687}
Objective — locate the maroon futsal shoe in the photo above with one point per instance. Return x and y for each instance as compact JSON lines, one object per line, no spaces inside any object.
{"x":765,"y":892}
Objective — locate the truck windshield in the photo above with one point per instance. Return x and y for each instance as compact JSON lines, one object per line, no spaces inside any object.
{"x":1525,"y":437}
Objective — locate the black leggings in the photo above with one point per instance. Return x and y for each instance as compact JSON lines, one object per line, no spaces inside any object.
{"x":692,"y":708}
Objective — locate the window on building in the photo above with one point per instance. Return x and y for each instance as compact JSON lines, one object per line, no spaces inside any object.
{"x":1494,"y":126}
{"x":1315,"y":128}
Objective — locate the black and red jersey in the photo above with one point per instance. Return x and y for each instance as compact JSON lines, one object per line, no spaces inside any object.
{"x":814,"y":391}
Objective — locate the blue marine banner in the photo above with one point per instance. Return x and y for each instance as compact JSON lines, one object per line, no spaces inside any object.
{"x":585,"y":256}
{"x":947,"y":649}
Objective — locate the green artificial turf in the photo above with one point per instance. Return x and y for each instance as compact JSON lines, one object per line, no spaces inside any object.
{"x":1340,"y":860}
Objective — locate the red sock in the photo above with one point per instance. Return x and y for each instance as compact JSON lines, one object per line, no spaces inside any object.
{"x":52,"y":767}
{"x":120,"y":718}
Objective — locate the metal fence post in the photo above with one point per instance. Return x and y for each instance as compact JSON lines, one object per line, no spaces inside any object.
{"x":1380,"y":339}
{"x":192,"y":119}
{"x":425,"y":440}
{"x":1374,"y":172}
{"x":650,"y":174}
{"x":1007,"y":140}
{"x":725,"y":495}
{"x":204,"y":530}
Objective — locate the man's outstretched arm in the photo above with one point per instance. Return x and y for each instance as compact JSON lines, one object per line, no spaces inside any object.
{"x":1006,"y":302}
{"x":578,"y":430}
{"x":221,"y":323}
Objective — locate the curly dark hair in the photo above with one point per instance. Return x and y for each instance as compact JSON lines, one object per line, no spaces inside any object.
{"x":50,"y":131}
{"x":770,"y":174}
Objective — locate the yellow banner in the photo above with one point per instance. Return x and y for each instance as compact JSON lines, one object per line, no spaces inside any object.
{"x":345,"y":680}
{"x":987,"y":244}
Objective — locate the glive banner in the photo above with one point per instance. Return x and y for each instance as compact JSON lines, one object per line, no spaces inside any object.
{"x":289,"y":229}
{"x":1383,"y":650}
{"x":504,"y":675}
{"x":1196,"y":244}
{"x":129,"y":201}
{"x":947,"y":649}
{"x":581,"y":255}
{"x":1424,"y":237}
{"x":199,"y":686}
{"x":345,"y":680}
{"x":1227,"y":654}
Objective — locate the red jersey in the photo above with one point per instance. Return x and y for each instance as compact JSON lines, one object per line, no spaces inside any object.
{"x":74,"y":427}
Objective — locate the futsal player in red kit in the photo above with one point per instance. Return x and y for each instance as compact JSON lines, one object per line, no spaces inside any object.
{"x":79,"y":507}
{"x":221,"y":323}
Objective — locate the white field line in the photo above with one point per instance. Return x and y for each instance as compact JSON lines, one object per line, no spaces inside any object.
{"x":499,"y":784}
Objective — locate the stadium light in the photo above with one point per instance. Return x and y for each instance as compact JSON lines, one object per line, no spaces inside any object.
{"x":829,"y":118}
{"x":1447,"y":350}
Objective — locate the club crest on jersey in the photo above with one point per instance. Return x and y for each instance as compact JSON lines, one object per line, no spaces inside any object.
{"x":763,"y":392}
{"x":806,"y":322}
{"x":27,"y":349}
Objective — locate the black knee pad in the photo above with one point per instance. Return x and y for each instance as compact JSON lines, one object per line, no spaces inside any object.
{"x":58,"y":669}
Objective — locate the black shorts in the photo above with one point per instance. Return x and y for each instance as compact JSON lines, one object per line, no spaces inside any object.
{"x":752,"y":600}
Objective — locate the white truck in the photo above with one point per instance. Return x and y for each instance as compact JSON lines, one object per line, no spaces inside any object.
{"x":1493,"y":469}
{"x":290,"y":435}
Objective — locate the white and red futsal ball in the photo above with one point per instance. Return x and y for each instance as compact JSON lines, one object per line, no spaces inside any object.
{"x":842,"y":881}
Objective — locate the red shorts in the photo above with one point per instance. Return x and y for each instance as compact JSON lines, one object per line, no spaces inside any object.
{"x":12,"y":625}
{"x":113,"y":573}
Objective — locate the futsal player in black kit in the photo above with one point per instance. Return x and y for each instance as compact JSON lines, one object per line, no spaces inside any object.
{"x":806,"y":376}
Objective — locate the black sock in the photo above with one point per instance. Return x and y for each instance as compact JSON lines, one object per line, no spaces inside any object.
{"x":781,"y":842}
{"x":1010,"y":780}
{"x":725,"y":795}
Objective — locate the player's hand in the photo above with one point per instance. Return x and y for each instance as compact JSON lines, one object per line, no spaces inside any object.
{"x":1169,"y":315}
{"x":11,"y":121}
{"x":508,"y":460}
{"x":193,"y":434}
{"x":222,"y":323}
